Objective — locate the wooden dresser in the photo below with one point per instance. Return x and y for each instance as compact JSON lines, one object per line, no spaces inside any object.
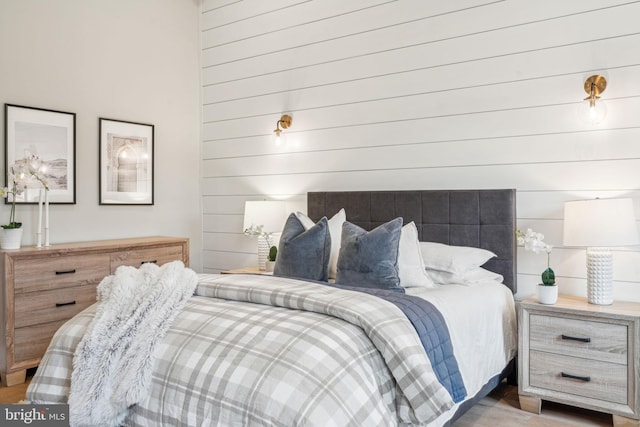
{"x":44,"y":287}
{"x":580,"y":354}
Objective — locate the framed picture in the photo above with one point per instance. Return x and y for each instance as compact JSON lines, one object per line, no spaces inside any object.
{"x":126,"y":163}
{"x":48,"y":138}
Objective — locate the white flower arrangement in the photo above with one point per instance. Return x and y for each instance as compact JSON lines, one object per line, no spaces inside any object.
{"x":256,"y":230}
{"x":19,"y":175}
{"x":533,"y":242}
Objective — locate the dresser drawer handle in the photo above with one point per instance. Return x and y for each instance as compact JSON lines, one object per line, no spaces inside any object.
{"x":575,"y":377}
{"x":568,"y":337}
{"x":66,"y":272}
{"x":62,"y":304}
{"x":153,"y":261}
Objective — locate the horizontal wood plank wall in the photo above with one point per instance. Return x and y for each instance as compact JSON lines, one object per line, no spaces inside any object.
{"x":408,"y":94}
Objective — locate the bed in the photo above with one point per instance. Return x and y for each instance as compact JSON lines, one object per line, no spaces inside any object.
{"x":263,"y":350}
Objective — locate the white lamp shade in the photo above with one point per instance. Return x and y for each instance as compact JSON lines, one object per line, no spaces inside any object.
{"x":600,"y":223}
{"x":270,"y":214}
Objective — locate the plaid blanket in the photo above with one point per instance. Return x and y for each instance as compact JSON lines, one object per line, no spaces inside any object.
{"x":259,"y":350}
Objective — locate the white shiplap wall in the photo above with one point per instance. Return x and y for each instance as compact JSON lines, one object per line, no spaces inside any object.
{"x":414,"y":94}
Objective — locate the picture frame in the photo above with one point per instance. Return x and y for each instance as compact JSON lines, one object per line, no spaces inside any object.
{"x":126,"y":158}
{"x":49,"y":137}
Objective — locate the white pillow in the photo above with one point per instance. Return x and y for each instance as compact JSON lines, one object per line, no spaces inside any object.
{"x":454,"y":259}
{"x":473,"y":277}
{"x":335,"y":230}
{"x":411,"y":267}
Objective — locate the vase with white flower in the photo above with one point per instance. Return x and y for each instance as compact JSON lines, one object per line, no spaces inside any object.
{"x":532,"y":241}
{"x":18,"y":176}
{"x":267,"y":251}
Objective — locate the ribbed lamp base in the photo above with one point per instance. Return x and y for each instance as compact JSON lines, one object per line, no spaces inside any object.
{"x":599,"y":276}
{"x":263,"y":252}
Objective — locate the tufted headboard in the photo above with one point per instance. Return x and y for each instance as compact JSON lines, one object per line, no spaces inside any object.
{"x":479,"y":218}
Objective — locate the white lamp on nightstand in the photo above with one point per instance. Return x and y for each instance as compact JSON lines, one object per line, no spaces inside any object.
{"x":600,"y":224}
{"x":270,"y":215}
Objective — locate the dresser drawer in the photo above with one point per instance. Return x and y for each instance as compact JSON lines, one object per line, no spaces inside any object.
{"x":606,"y":381}
{"x":31,"y":342}
{"x":48,"y":306}
{"x":577,"y":337}
{"x":59,"y":272}
{"x":137,"y":257}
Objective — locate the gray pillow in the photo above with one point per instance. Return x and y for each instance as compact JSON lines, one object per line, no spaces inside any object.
{"x":304,"y":254}
{"x":370,"y":259}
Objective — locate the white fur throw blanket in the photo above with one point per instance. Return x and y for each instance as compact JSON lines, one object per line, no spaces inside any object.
{"x":113,"y":362}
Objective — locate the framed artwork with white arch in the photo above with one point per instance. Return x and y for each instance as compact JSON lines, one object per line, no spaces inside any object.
{"x":126,"y":163}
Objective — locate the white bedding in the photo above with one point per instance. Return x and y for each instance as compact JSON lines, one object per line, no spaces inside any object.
{"x":476,"y":315}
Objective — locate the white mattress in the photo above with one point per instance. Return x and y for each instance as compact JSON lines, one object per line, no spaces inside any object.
{"x":483,"y":328}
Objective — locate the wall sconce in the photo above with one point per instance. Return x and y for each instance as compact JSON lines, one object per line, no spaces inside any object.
{"x":285,"y":123}
{"x":594,"y":110}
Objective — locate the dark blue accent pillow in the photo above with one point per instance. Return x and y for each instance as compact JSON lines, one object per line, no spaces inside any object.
{"x":370,"y":259}
{"x":304,"y":254}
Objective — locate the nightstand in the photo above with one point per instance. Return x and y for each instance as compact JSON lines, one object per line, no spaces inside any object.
{"x":247,"y":270}
{"x":580,"y":354}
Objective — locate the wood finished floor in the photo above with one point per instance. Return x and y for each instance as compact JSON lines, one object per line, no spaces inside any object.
{"x":499,"y":409}
{"x":502,"y":409}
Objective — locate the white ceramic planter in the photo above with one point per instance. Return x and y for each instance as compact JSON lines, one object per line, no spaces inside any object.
{"x":269,"y":265}
{"x":11,"y":238}
{"x":547,"y":294}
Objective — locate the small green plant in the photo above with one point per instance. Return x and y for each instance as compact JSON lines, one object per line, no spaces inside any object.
{"x":273,"y":251}
{"x":548,"y":277}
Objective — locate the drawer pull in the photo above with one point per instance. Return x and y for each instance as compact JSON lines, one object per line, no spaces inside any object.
{"x":575,"y":377}
{"x":66,"y":272}
{"x":62,"y":304}
{"x":154,"y":261}
{"x":568,"y":337}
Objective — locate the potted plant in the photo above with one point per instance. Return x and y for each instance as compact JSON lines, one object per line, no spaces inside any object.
{"x":18,"y":176}
{"x":271,"y":258}
{"x":266,"y":251}
{"x":532,"y":241}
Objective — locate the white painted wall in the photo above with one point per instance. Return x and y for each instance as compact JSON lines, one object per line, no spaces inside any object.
{"x":128,"y":60}
{"x":414,"y":94}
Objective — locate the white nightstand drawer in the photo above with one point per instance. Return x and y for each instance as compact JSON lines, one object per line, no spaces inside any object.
{"x":578,"y":377}
{"x":578,"y":337}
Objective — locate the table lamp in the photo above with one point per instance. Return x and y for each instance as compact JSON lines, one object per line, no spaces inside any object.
{"x":271,"y":215}
{"x":599,"y":224}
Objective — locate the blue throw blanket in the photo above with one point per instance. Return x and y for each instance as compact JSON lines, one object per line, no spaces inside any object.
{"x":433,"y":332}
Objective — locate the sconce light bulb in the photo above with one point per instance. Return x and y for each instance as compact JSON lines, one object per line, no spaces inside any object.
{"x":278,"y":137}
{"x":592,"y":113}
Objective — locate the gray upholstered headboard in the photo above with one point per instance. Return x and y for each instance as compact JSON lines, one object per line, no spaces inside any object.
{"x":479,"y":218}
